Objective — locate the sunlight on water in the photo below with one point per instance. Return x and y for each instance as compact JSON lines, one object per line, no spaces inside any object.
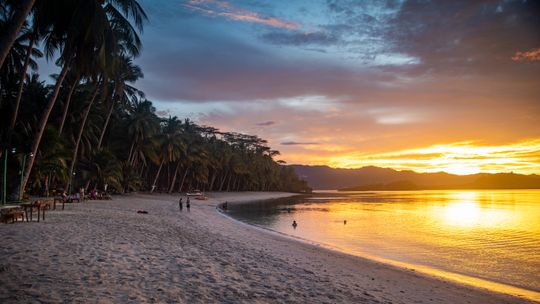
{"x":490,"y":236}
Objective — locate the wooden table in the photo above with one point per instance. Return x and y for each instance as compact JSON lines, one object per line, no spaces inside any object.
{"x":11,"y":213}
{"x":59,"y":200}
{"x":41,"y":206}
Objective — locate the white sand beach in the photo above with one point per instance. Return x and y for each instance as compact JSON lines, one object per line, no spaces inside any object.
{"x":105,"y":252}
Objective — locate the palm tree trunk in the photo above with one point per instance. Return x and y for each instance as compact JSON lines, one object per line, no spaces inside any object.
{"x":223,"y":182}
{"x":106,"y":124}
{"x":66,"y":106}
{"x":130,"y":152}
{"x":212,"y":180}
{"x":168,"y":172}
{"x":157,"y":175}
{"x":174,"y":177}
{"x":79,"y":136}
{"x":21,"y":86}
{"x":14,"y":26}
{"x":229,"y":183}
{"x":43,"y":124}
{"x":47,"y":185}
{"x":183,"y":179}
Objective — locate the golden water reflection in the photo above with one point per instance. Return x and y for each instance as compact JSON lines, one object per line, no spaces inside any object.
{"x":481,"y":210}
{"x":492,"y":236}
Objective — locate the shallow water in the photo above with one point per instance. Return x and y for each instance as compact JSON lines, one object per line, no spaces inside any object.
{"x":487,"y":235}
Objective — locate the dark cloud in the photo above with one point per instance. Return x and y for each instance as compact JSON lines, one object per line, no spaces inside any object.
{"x":466,"y":37}
{"x":266,"y":123}
{"x":299,"y":38}
{"x":295,"y":143}
{"x":464,"y":51}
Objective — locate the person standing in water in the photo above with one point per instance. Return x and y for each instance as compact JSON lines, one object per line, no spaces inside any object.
{"x":294,"y":224}
{"x":180,"y":204}
{"x":187,"y":204}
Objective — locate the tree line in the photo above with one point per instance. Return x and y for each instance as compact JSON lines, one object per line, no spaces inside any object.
{"x":92,"y":127}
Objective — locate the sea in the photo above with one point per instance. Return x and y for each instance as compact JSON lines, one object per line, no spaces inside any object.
{"x":486,"y":238}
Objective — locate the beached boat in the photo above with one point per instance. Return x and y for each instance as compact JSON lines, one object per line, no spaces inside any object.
{"x":195,"y":193}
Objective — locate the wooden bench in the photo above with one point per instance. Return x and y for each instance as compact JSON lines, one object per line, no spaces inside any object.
{"x":11,"y":214}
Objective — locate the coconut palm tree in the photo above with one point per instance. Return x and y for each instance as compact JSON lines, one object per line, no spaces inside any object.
{"x":19,"y":11}
{"x":123,"y":73}
{"x":88,"y":29}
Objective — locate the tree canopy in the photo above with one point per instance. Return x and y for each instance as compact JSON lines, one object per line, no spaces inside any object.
{"x":93,"y":128}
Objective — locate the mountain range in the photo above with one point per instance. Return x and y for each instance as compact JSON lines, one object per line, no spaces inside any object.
{"x":376,"y":178}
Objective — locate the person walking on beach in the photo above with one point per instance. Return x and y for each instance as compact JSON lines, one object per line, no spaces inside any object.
{"x":180,"y":204}
{"x":187,"y":204}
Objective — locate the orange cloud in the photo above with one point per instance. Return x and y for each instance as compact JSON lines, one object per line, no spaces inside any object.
{"x":456,"y":158}
{"x":532,"y":55}
{"x":226,"y":10}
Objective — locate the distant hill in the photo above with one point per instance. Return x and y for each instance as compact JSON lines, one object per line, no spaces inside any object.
{"x":376,"y":178}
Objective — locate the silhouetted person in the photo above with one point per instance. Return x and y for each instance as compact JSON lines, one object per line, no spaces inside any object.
{"x":345,"y":222}
{"x":187,"y":204}
{"x":180,"y":204}
{"x":294,"y":224}
{"x":225,"y":206}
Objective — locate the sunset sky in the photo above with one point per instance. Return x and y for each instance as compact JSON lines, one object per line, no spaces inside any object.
{"x":424,"y":85}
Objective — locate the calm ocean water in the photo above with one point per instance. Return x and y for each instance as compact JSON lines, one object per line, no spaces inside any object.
{"x":477,"y":237}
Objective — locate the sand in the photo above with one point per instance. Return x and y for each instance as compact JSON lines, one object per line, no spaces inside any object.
{"x":105,"y":252}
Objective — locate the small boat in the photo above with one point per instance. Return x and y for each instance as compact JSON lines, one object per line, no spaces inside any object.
{"x":195,"y":193}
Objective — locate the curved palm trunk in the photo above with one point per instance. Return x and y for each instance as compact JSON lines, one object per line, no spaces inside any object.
{"x":183,"y":180}
{"x":68,"y":101}
{"x":105,"y":125}
{"x":212,"y":180}
{"x":131,"y":152}
{"x":174,"y":177}
{"x":43,"y":124}
{"x":229,"y":183}
{"x":14,"y":27}
{"x":157,"y":175}
{"x":21,"y":87}
{"x":223,"y":181}
{"x":79,"y":136}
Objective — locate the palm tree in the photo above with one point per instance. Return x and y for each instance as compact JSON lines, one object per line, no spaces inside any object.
{"x":76,"y":79}
{"x":21,"y":9}
{"x":123,"y":73}
{"x":81,"y":129}
{"x":171,"y":145}
{"x":90,"y":28}
{"x":28,"y":62}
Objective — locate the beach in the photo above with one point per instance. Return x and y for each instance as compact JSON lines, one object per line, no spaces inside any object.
{"x":106,"y":252}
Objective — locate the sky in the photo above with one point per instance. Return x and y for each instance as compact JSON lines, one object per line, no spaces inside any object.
{"x":422,"y":85}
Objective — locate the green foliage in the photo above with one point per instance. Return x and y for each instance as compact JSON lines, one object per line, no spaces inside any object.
{"x":115,"y":138}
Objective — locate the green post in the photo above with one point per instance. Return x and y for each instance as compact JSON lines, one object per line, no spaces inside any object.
{"x":5,"y":178}
{"x":22,"y":176}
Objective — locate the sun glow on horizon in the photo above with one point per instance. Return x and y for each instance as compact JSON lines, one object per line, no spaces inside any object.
{"x":461,"y":158}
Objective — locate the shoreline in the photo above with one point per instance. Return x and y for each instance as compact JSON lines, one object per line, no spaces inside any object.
{"x":105,"y":250}
{"x":453,"y":278}
{"x":430,"y":273}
